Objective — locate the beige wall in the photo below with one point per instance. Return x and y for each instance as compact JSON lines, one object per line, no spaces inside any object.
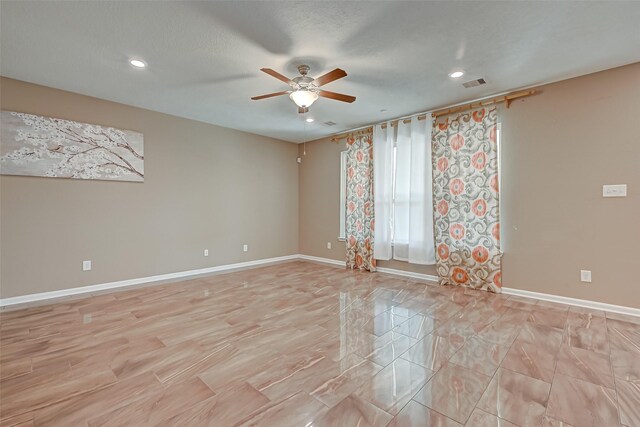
{"x":205,"y":187}
{"x":559,"y":148}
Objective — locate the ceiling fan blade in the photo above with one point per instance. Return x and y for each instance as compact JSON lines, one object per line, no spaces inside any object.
{"x":329,"y":77}
{"x":277,"y":75}
{"x":302,"y":110}
{"x":269,"y":95}
{"x":337,"y":96}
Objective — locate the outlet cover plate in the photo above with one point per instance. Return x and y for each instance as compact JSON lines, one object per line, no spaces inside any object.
{"x":86,"y":265}
{"x":585,"y":276}
{"x":617,"y":190}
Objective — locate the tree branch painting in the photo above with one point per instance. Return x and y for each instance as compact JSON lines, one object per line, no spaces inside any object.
{"x":45,"y":146}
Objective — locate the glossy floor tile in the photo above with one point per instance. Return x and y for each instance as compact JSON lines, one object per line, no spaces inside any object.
{"x":626,"y":365}
{"x":517,"y":398}
{"x":300,"y":344}
{"x":552,"y":422}
{"x":628,"y":398}
{"x":415,"y":414}
{"x":480,"y":355}
{"x":353,"y":411}
{"x":531,"y":360}
{"x":453,"y":391}
{"x":432,"y":351}
{"x":585,"y":365}
{"x":395,"y":385}
{"x":581,"y":403}
{"x":549,"y":317}
{"x":480,"y":418}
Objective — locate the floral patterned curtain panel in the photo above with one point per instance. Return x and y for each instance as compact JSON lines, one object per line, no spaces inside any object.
{"x":360,"y":219}
{"x":466,"y":202}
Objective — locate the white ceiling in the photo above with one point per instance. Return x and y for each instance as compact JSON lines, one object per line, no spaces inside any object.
{"x":204,"y":57}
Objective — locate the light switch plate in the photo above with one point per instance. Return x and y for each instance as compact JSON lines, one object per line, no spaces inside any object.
{"x":614,"y":190}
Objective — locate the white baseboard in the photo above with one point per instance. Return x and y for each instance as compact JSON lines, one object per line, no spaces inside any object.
{"x":410,"y":274}
{"x":385,"y":270}
{"x":574,"y":301}
{"x":509,"y":291}
{"x":26,"y":299}
{"x":64,"y":293}
{"x":319,"y":260}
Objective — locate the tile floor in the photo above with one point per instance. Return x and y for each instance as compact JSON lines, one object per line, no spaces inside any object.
{"x":300,"y":344}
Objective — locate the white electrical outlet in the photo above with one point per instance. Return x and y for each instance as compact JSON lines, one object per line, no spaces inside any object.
{"x":328,"y":245}
{"x":245,"y":248}
{"x":585,"y":276}
{"x":86,"y":265}
{"x":206,"y":252}
{"x":617,"y":190}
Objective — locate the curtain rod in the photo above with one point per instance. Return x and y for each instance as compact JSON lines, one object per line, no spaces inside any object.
{"x":508,"y":98}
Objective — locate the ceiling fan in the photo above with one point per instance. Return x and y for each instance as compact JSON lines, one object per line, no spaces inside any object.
{"x":305,"y":90}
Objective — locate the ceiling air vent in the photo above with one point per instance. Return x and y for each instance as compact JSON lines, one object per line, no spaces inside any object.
{"x":330,"y":123}
{"x":474,"y":83}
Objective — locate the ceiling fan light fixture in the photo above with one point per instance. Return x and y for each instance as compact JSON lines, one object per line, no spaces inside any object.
{"x":137,"y":63}
{"x":303,"y":98}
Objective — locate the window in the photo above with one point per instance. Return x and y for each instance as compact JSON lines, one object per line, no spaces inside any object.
{"x":399,"y":199}
{"x":403,"y":192}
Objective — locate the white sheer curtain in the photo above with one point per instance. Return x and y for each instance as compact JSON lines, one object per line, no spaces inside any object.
{"x":383,"y":190}
{"x":403,"y":194}
{"x":413,"y":205}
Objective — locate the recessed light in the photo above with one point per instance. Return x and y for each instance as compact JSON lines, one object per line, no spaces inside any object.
{"x":309,"y":120}
{"x":138,"y":63}
{"x":456,"y":74}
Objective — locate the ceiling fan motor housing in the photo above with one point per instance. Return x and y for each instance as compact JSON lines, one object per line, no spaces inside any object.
{"x":303,"y":69}
{"x":303,"y":82}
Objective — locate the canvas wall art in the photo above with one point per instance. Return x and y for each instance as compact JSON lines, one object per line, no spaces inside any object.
{"x":45,"y":146}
